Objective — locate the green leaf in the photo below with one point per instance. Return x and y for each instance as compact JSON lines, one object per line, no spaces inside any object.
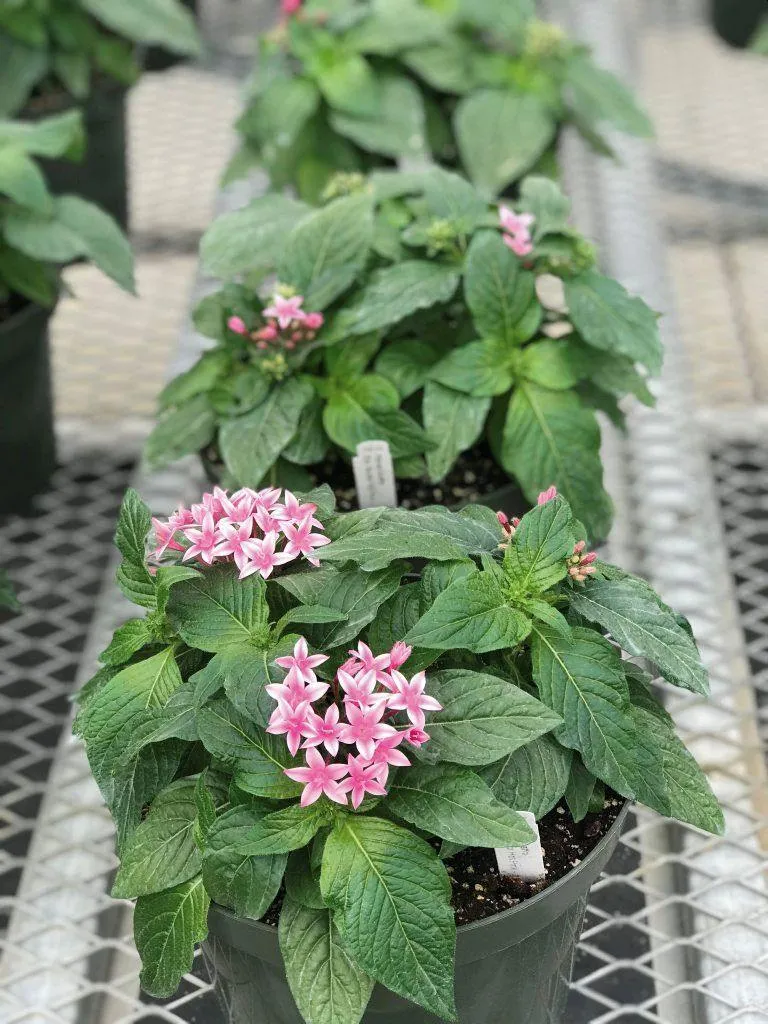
{"x":218,"y":610}
{"x":432,"y":532}
{"x":176,"y":720}
{"x":184,"y":430}
{"x":309,"y":444}
{"x":398,"y":127}
{"x":481,"y":369}
{"x":501,"y":135}
{"x":395,"y":25}
{"x":532,"y":778}
{"x":21,"y":69}
{"x":166,"y":577}
{"x":583,"y":681}
{"x":484,"y":718}
{"x":277,"y":116}
{"x":471,"y":614}
{"x":128,"y":639}
{"x":642,"y":625}
{"x":327,"y":985}
{"x":167,"y":926}
{"x":108,"y":720}
{"x":351,"y":417}
{"x":578,"y":792}
{"x":454,"y":422}
{"x":450,"y":197}
{"x":259,"y":759}
{"x":251,"y":238}
{"x":551,"y":438}
{"x":60,"y":136}
{"x":136,"y":784}
{"x":250,"y":444}
{"x":162,"y":852}
{"x":248,"y":885}
{"x":535,"y":561}
{"x":133,"y":525}
{"x":74,"y":70}
{"x":557,"y":365}
{"x":690,"y":795}
{"x":436,"y":576}
{"x":327,"y":249}
{"x":31,"y":278}
{"x":287,"y":829}
{"x":76,"y":229}
{"x":498,"y":291}
{"x":358,"y":597}
{"x":609,"y":318}
{"x":347,"y":83}
{"x":406,"y":364}
{"x":391,"y":900}
{"x":447,"y":67}
{"x":455,"y":804}
{"x":302,"y":878}
{"x":164,"y":22}
{"x":22,"y":181}
{"x":393,"y":293}
{"x":206,"y":372}
{"x":598,"y":95}
{"x":544,"y":198}
{"x":205,"y":807}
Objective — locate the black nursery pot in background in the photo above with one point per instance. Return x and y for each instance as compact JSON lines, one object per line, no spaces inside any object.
{"x":102,"y":175}
{"x":736,"y":21}
{"x":27,"y":444}
{"x":514,"y":966}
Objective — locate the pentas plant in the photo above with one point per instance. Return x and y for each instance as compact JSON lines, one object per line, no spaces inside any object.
{"x":344,"y":85}
{"x":449,"y":670}
{"x":39,"y":231}
{"x":58,"y":47}
{"x":414,"y":312}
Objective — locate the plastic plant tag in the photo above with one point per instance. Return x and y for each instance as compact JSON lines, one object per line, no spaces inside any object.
{"x":523,"y":861}
{"x":374,"y":475}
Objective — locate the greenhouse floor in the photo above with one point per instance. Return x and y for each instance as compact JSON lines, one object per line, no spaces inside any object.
{"x":677,"y":930}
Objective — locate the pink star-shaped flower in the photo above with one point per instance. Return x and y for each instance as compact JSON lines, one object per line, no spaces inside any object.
{"x":203,"y":540}
{"x":359,"y":689}
{"x":301,"y":541}
{"x":291,"y":722}
{"x":262,"y":557}
{"x":386,"y":754}
{"x":324,"y":731}
{"x":409,"y":696}
{"x":365,"y":661}
{"x":285,"y":311}
{"x":399,"y":654}
{"x":164,"y":536}
{"x":363,"y":778}
{"x":234,"y":536}
{"x":301,"y":663}
{"x":516,"y":223}
{"x":318,"y":778}
{"x":521,"y":245}
{"x":293,"y":691}
{"x":364,"y":727}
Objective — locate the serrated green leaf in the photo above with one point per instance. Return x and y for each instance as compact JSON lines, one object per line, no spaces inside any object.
{"x":583,"y":681}
{"x":358,"y":596}
{"x":535,"y":560}
{"x":554,"y":364}
{"x":498,"y":291}
{"x":544,"y":198}
{"x":391,"y":900}
{"x":398,"y":127}
{"x":393,"y":293}
{"x":551,"y":438}
{"x":251,"y":238}
{"x":533,"y":777}
{"x":484,"y":718}
{"x":641,"y":625}
{"x":163,"y":22}
{"x":22,"y":180}
{"x":302,"y":879}
{"x":217,"y":610}
{"x":250,"y":444}
{"x":136,"y":784}
{"x":580,"y":788}
{"x":350,"y":418}
{"x":448,"y":196}
{"x":394,"y":25}
{"x":287,"y":829}
{"x":501,"y":134}
{"x":482,"y":369}
{"x":127,"y":640}
{"x":454,"y":422}
{"x":406,"y":364}
{"x":248,"y":885}
{"x":456,"y":804}
{"x":184,"y":430}
{"x":609,"y":318}
{"x":327,"y":985}
{"x":167,"y":926}
{"x":447,"y":67}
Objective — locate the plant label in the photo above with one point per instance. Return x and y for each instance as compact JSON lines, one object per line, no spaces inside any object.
{"x":523,"y":861}
{"x":374,"y":475}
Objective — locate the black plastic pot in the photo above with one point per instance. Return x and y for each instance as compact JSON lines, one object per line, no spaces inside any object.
{"x":102,"y":175}
{"x":27,"y":443}
{"x":157,"y":58}
{"x":514,"y":967}
{"x":736,"y":21}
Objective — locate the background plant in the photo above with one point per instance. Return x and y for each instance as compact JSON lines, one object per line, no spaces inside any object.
{"x":49,"y":47}
{"x":509,"y":624}
{"x":344,"y":85}
{"x":38,"y":231}
{"x":434,"y":337}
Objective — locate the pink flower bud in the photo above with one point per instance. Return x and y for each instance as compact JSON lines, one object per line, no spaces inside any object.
{"x":296,"y":336}
{"x":268,"y":332}
{"x":310,"y":336}
{"x":416,"y":737}
{"x":504,"y":523}
{"x":399,"y":654}
{"x":289,"y":7}
{"x":262,"y":344}
{"x":236,"y":324}
{"x":290,"y":344}
{"x":546,"y":496}
{"x":314,"y":321}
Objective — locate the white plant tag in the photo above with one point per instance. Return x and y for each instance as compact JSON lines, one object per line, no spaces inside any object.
{"x":523,"y":861}
{"x":374,"y":475}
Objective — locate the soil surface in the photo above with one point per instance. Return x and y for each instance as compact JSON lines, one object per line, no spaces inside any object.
{"x":479,"y":891}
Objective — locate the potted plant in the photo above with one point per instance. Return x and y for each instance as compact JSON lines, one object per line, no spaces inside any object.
{"x":414,"y":312}
{"x":39,"y":232}
{"x":66,"y":53}
{"x":329,"y":722}
{"x":480,"y":86}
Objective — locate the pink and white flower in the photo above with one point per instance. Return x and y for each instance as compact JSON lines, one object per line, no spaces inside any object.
{"x":263,"y":556}
{"x":363,"y":779}
{"x":301,"y":541}
{"x":203,"y":540}
{"x":234,"y":536}
{"x":324,"y":731}
{"x":363,"y":660}
{"x":409,"y":696}
{"x":358,"y":689}
{"x":318,"y":778}
{"x":286,"y":310}
{"x":387,"y":753}
{"x":301,"y":664}
{"x":291,"y":722}
{"x":364,"y":727}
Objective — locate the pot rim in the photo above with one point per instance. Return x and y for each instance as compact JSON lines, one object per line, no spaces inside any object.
{"x":474,"y":941}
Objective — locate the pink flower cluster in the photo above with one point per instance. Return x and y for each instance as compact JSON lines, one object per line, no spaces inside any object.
{"x":517,"y":230}
{"x":367,"y":690}
{"x":287,"y":324}
{"x":252,"y":528}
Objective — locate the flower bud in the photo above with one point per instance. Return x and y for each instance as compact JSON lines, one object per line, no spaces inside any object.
{"x":236,"y":324}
